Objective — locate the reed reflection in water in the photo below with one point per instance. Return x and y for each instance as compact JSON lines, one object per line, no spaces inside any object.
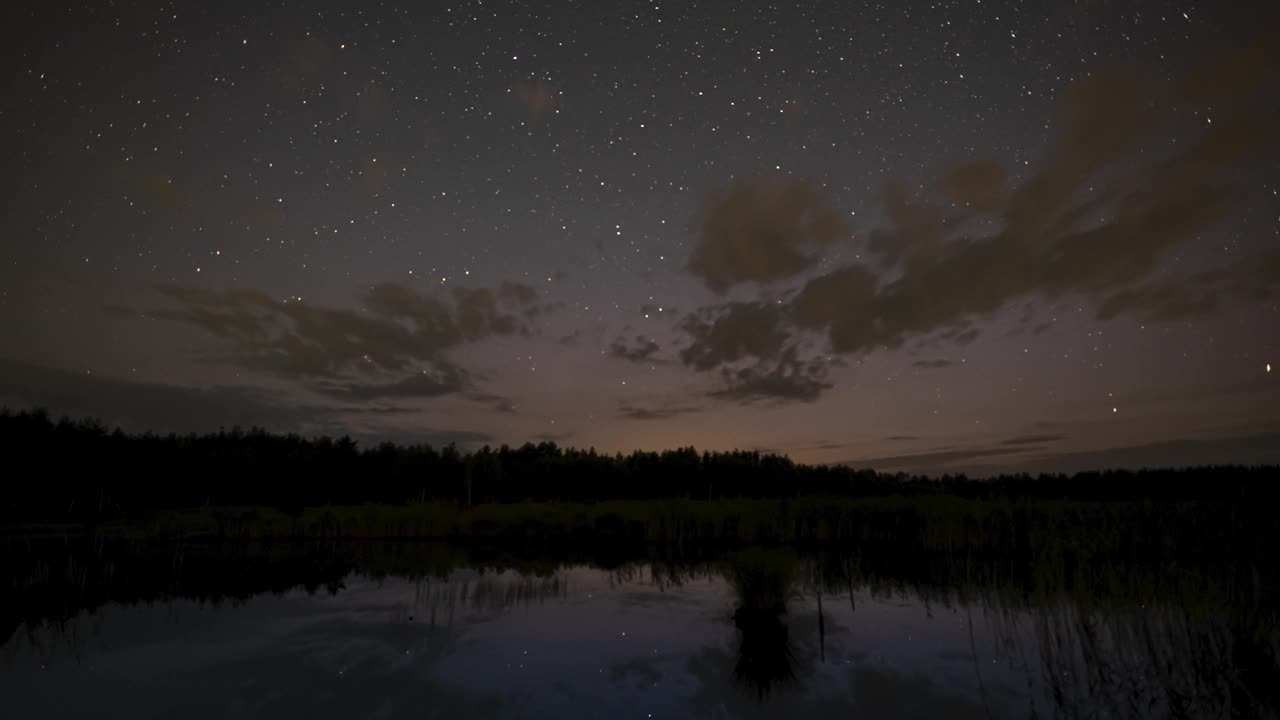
{"x":751,"y":633}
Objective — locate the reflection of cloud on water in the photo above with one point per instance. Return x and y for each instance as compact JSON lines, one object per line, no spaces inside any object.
{"x":294,"y":655}
{"x":643,"y":671}
{"x":619,"y":642}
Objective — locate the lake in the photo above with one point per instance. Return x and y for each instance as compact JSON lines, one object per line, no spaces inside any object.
{"x":423,"y":630}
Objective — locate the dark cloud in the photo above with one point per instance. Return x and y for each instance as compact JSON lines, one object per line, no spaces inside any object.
{"x":639,"y":350}
{"x":979,"y":184}
{"x":652,"y":310}
{"x":828,"y":445}
{"x":790,"y":379}
{"x":385,"y":410}
{"x":1033,"y":439}
{"x":497,"y":402}
{"x":296,"y":339}
{"x":553,"y":437}
{"x":763,"y":230}
{"x":727,"y":333}
{"x":756,"y":358}
{"x":935,"y":460}
{"x":1252,"y":280}
{"x":934,"y":364}
{"x":1259,"y":449}
{"x":397,"y":348}
{"x":143,"y":406}
{"x":1095,"y":220}
{"x":901,"y":438}
{"x":478,"y":314}
{"x":445,"y":380}
{"x":835,"y":303}
{"x":655,"y":412}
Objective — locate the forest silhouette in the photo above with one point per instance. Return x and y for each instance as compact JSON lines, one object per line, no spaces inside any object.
{"x":80,"y":469}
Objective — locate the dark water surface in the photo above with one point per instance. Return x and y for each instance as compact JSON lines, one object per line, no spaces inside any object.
{"x":389,"y":632}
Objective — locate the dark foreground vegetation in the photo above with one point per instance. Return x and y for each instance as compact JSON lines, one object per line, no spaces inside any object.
{"x":78,"y":478}
{"x":1153,"y":593}
{"x":81,"y":470}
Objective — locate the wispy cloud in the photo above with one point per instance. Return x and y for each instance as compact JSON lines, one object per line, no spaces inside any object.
{"x":934,"y":460}
{"x":397,"y":347}
{"x":936,"y":364}
{"x":142,"y":406}
{"x":1033,"y":439}
{"x":638,"y":350}
{"x":656,"y":411}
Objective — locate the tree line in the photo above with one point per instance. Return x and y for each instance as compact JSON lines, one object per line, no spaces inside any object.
{"x":81,"y":468}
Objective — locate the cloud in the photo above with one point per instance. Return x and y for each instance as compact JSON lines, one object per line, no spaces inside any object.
{"x":980,"y":184}
{"x":1258,"y":449}
{"x":935,"y":364}
{"x":497,"y":403}
{"x":935,"y":459}
{"x":756,"y":357}
{"x":553,"y":437}
{"x":1095,"y":220}
{"x":141,"y":406}
{"x":476,"y":313}
{"x":1031,"y":453}
{"x":396,"y":348}
{"x":654,"y":310}
{"x":144,"y":405}
{"x":640,"y":350}
{"x":788,"y":380}
{"x":296,"y":339}
{"x":762,"y":230}
{"x":834,"y":303}
{"x":445,"y":380}
{"x":658,"y":412}
{"x":1252,"y":280}
{"x":383,"y":410}
{"x":1033,"y":439}
{"x":725,"y":334}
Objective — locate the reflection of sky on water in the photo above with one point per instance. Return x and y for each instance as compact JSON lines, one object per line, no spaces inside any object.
{"x":584,"y":643}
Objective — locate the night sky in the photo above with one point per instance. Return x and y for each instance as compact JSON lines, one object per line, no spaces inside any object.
{"x":974,"y":235}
